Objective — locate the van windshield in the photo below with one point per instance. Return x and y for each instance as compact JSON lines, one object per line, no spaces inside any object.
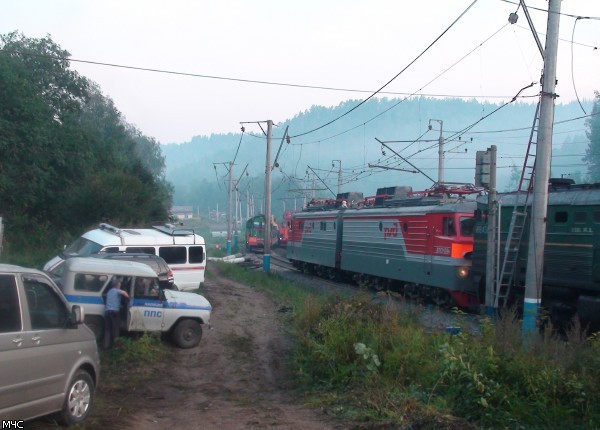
{"x":82,"y":247}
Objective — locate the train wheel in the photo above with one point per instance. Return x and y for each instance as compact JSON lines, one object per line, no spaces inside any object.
{"x":332,"y":274}
{"x":411,"y":291}
{"x":440,"y":297}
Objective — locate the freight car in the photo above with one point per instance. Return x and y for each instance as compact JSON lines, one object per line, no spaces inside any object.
{"x":571,"y":273}
{"x":255,"y":233}
{"x":417,"y":243}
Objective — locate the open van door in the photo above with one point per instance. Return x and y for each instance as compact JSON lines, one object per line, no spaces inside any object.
{"x":146,"y":305}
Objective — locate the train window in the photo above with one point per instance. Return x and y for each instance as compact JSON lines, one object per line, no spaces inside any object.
{"x":597,"y":216}
{"x":334,"y":225}
{"x":380,"y":226}
{"x":448,"y":227}
{"x":405,"y":227}
{"x":467,"y":225}
{"x":561,"y":217}
{"x":580,"y":217}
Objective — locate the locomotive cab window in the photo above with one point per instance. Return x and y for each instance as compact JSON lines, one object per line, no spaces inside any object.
{"x":597,"y":216}
{"x":449,"y":228}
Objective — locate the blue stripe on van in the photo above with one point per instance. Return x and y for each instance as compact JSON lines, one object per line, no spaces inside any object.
{"x":148,"y":303}
{"x":176,"y":305}
{"x":92,"y":300}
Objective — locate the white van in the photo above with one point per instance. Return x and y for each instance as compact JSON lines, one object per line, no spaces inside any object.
{"x":182,"y":249}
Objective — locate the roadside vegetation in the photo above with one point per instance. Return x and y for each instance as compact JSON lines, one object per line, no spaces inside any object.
{"x":370,"y":361}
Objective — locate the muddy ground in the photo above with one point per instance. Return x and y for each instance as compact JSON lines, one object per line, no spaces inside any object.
{"x":237,"y":378}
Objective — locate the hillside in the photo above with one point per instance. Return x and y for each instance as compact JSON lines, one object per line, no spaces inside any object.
{"x":198,"y":172}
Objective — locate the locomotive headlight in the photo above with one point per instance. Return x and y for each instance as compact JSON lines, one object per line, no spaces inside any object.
{"x":463,"y":272}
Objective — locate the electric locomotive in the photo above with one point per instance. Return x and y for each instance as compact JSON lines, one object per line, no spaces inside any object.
{"x":571,"y":273}
{"x":255,"y":233}
{"x":417,"y":243}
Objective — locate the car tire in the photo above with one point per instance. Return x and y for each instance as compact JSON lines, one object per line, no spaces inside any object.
{"x":78,"y":400}
{"x":187,"y":333}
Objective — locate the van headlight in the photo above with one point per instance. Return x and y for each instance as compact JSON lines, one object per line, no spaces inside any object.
{"x":463,"y":272}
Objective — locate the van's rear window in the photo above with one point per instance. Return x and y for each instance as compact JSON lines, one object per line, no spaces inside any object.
{"x":196,"y":254}
{"x":173,"y":254}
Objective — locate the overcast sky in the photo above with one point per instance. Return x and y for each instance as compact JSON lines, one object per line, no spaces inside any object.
{"x":345,"y":44}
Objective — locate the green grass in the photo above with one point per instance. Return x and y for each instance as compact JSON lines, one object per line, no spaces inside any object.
{"x":373,"y":363}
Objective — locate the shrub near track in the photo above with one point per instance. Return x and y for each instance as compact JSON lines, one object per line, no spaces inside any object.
{"x":374,"y":363}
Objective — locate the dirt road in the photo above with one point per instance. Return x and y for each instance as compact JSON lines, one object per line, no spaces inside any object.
{"x":236,"y":378}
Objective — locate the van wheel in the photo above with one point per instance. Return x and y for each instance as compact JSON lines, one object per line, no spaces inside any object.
{"x":96,"y":324}
{"x":79,"y":399}
{"x":187,"y":333}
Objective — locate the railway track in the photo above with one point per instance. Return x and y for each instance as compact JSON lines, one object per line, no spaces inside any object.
{"x":431,"y":317}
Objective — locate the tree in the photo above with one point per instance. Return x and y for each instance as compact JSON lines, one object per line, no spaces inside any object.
{"x":592,"y":157}
{"x":69,"y":159}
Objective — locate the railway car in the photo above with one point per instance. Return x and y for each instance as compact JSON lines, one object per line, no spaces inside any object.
{"x":571,"y":273}
{"x":420,"y":245}
{"x":255,"y":233}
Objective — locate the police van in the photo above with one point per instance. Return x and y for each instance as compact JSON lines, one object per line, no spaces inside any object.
{"x":86,"y":281}
{"x":182,"y":249}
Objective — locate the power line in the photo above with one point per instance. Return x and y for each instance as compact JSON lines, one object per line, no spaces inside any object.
{"x":391,"y":80}
{"x":546,"y":11}
{"x":226,"y":78}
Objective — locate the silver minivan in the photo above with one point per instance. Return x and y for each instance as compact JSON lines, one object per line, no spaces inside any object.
{"x":49,"y":360}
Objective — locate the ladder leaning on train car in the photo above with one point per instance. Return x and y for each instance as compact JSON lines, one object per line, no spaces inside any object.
{"x":504,"y":280}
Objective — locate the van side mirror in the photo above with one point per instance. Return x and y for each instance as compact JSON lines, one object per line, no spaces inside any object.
{"x":77,"y":315}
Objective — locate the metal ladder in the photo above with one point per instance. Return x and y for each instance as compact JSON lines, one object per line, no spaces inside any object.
{"x":504,"y":281}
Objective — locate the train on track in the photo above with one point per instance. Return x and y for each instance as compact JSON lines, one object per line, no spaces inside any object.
{"x":433,"y":245}
{"x":571,"y":272}
{"x":255,"y":233}
{"x":416,"y":243}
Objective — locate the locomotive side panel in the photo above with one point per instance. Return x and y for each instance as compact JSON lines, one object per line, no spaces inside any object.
{"x":374,"y":245}
{"x":413,"y":248}
{"x":313,"y":239}
{"x":569,"y":252}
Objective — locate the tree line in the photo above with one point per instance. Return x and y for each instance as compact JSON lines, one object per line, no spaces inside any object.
{"x":69,"y":159}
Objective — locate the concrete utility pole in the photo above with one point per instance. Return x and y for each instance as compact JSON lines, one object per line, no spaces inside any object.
{"x":339,"y":189}
{"x":229,"y":210}
{"x":267,"y":254}
{"x":491,"y":261}
{"x":440,"y":151}
{"x":539,"y":209}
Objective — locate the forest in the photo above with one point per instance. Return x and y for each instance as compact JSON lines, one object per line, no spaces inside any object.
{"x":348,"y":151}
{"x":69,"y":160}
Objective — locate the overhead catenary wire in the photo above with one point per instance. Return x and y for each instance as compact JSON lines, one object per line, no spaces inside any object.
{"x":391,"y":80}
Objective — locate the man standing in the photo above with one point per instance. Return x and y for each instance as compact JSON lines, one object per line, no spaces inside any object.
{"x":111,"y":313}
